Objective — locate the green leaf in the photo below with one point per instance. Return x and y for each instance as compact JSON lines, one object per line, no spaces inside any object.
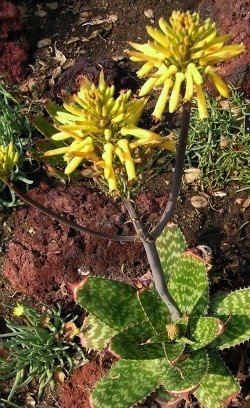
{"x":126,"y":384}
{"x":96,"y":334}
{"x":233,"y":310}
{"x":204,"y":330}
{"x":189,"y":285}
{"x":218,"y":386}
{"x":170,"y":245}
{"x":185,"y":375}
{"x":132,"y":343}
{"x":155,"y":310}
{"x":174,"y":351}
{"x":114,"y":303}
{"x":44,"y":126}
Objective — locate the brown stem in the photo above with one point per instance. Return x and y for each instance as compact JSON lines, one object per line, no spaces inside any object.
{"x":178,"y":171}
{"x":28,"y":200}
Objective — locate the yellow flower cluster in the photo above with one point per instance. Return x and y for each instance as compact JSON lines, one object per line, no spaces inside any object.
{"x":178,"y":55}
{"x":8,"y":159}
{"x":18,"y":310}
{"x":101,"y":130}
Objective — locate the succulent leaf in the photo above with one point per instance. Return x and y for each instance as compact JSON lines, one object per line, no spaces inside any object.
{"x":204,"y":330}
{"x":132,"y":343}
{"x":96,"y":334}
{"x":233,"y":310}
{"x":155,"y":310}
{"x":184,"y":375}
{"x":114,"y":303}
{"x":127,"y":383}
{"x":170,"y":245}
{"x":189,"y":285}
{"x":174,"y":351}
{"x":218,"y":386}
{"x":44,"y":127}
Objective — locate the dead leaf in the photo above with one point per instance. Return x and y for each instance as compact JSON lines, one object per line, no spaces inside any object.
{"x":59,"y":56}
{"x":59,"y":378}
{"x":44,"y":42}
{"x":70,"y":331}
{"x":72,"y":40}
{"x":29,"y":400}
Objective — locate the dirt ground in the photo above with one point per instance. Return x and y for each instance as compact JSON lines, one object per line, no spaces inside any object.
{"x":58,"y":34}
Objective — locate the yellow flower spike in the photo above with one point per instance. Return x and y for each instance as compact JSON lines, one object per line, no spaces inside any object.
{"x":129,"y":163}
{"x":162,"y":100}
{"x":8,"y":158}
{"x":175,"y":94}
{"x":201,"y":101}
{"x":188,"y":44}
{"x":218,"y":82}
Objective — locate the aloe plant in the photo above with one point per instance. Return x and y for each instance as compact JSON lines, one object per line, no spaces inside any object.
{"x":155,"y":353}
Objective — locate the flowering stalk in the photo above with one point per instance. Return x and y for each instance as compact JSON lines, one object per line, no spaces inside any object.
{"x":178,"y":171}
{"x":153,"y":259}
{"x":28,"y":200}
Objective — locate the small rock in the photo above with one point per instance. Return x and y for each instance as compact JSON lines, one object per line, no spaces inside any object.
{"x":40,"y":13}
{"x":224,"y":142}
{"x":192,"y":174}
{"x":52,"y":6}
{"x":44,"y":42}
{"x":220,"y":194}
{"x":149,"y":13}
{"x":199,"y":201}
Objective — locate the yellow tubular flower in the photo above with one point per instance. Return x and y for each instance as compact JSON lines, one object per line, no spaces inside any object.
{"x":129,"y":164}
{"x":187,"y":46}
{"x":162,"y":100}
{"x":175,"y":94}
{"x":201,"y":101}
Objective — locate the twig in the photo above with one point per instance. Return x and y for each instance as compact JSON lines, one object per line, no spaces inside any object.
{"x":28,"y":200}
{"x":178,"y":171}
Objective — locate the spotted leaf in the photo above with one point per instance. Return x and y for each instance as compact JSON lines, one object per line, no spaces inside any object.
{"x":218,"y":386}
{"x":170,"y":245}
{"x":189,"y":285}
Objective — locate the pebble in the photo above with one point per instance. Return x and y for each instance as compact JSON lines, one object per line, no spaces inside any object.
{"x":40,"y":13}
{"x":199,"y":201}
{"x":52,"y":6}
{"x":149,"y":13}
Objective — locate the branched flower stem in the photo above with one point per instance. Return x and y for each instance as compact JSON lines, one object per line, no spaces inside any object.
{"x":153,"y":259}
{"x":178,"y":171}
{"x":28,"y":200}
